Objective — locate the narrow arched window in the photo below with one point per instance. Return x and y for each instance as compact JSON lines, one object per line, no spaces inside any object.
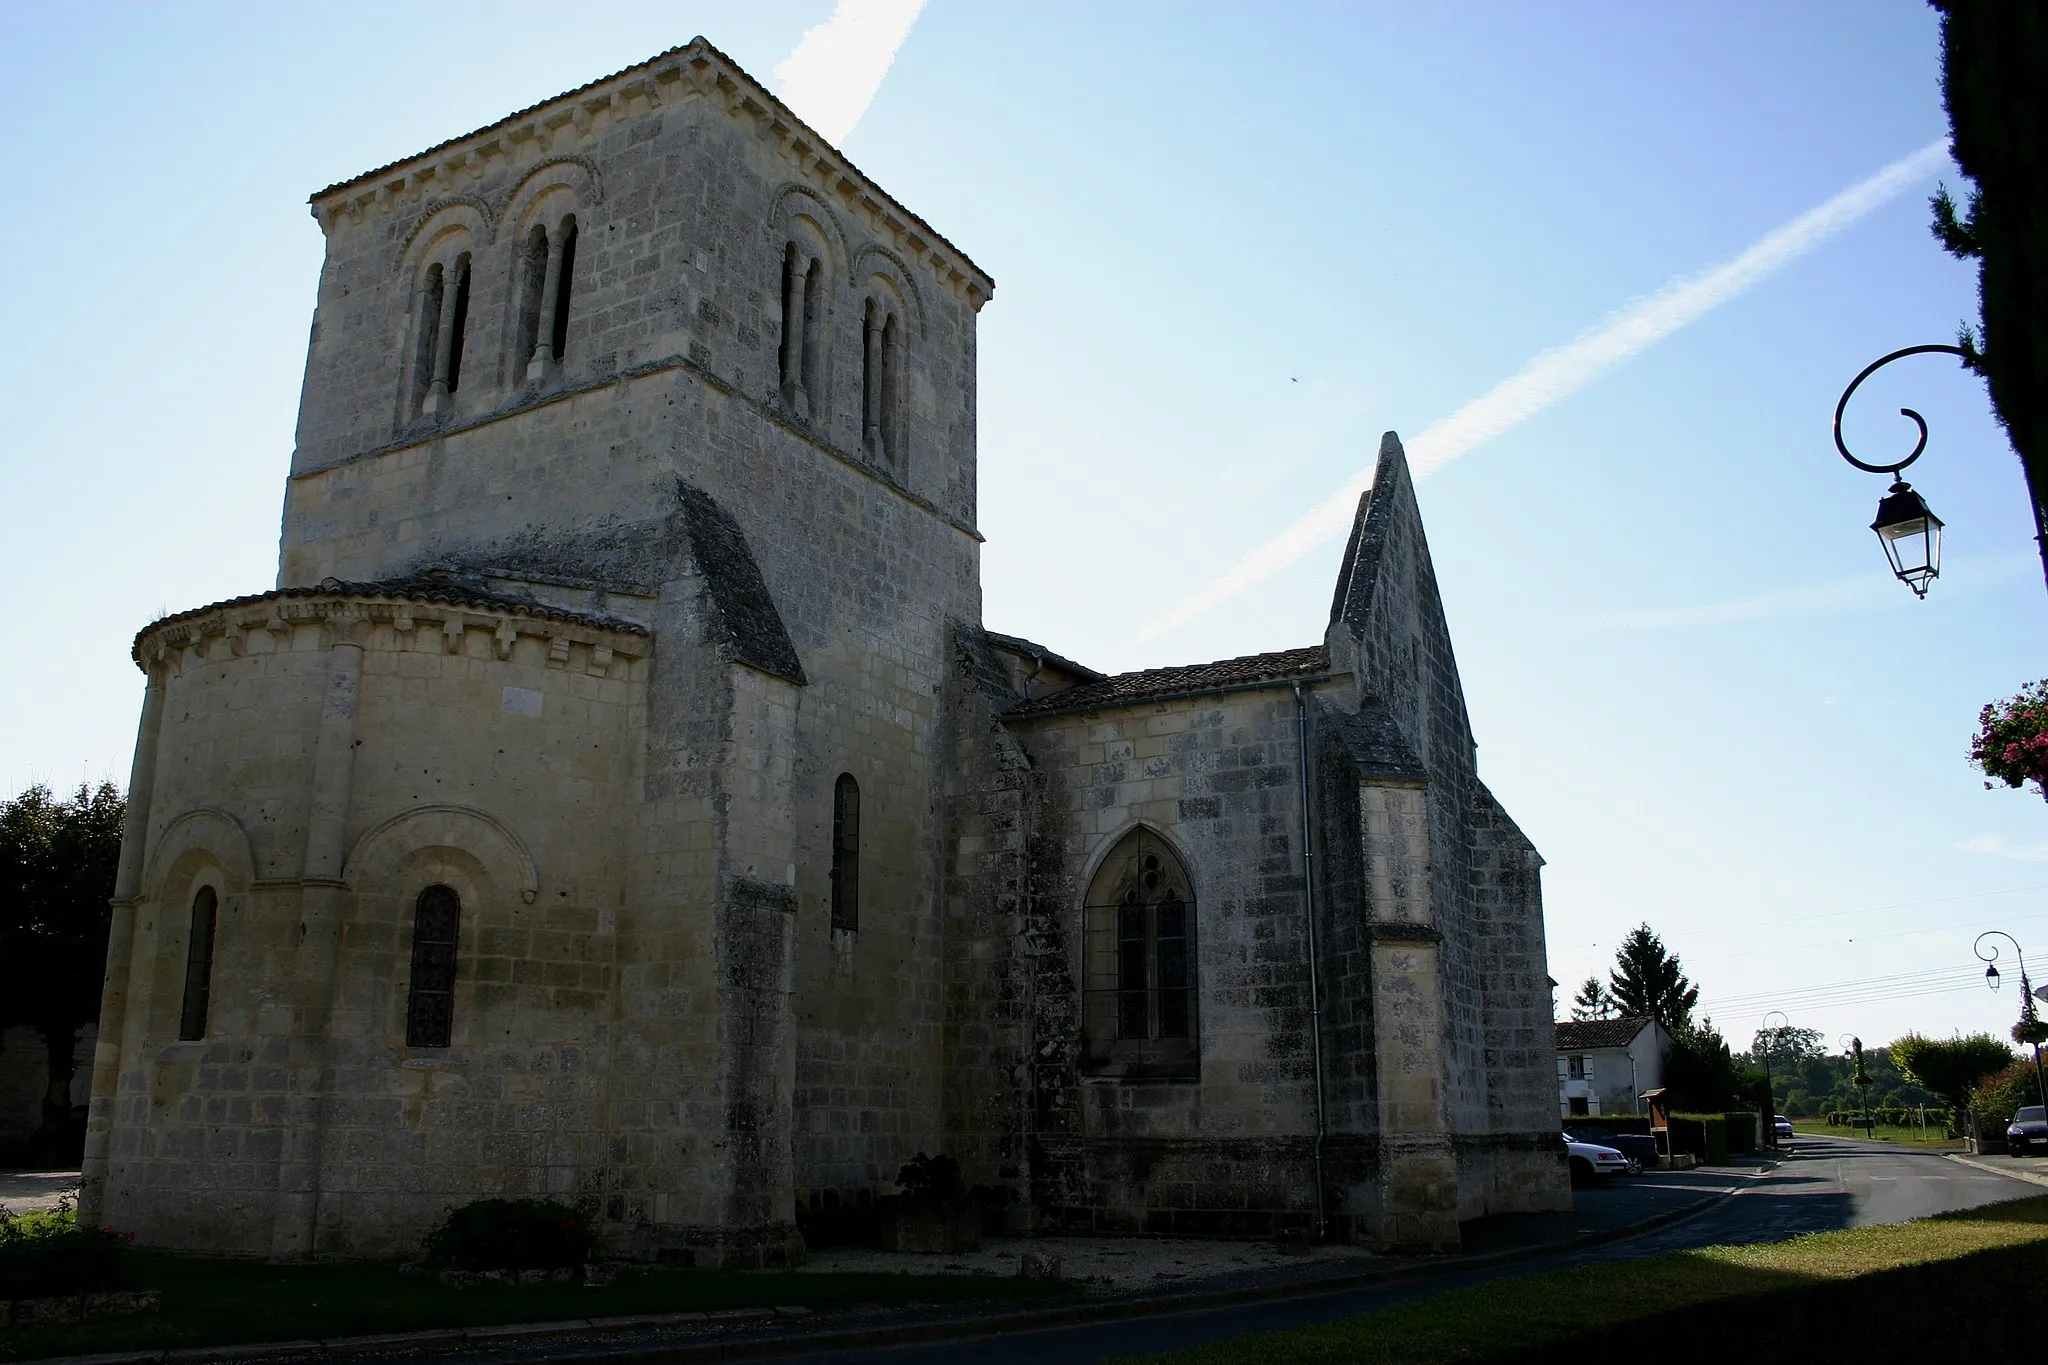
{"x":430,"y":1007}
{"x":892,"y":390}
{"x":531,"y":277}
{"x":458,"y":331}
{"x":1140,"y":919}
{"x":790,"y":359}
{"x":199,"y":964}
{"x":846,"y":853}
{"x":426,"y":332}
{"x":565,"y":288}
{"x":449,"y":290}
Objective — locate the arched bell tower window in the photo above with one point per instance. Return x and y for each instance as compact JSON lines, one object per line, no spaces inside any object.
{"x":1140,"y":1019}
{"x":801,"y":360}
{"x":199,"y":964}
{"x":547,"y":287}
{"x":441,"y":326}
{"x":846,"y":853}
{"x":882,"y":384}
{"x":430,"y":1007}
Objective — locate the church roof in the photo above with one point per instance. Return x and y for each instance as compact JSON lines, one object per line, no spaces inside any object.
{"x":1031,"y":649}
{"x":746,"y":628}
{"x":445,"y":592}
{"x":1578,"y":1035}
{"x":1154,"y":684}
{"x":1374,"y":741}
{"x":698,"y":45}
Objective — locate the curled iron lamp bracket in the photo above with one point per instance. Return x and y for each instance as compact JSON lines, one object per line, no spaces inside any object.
{"x":1991,"y":972}
{"x":1918,"y":421}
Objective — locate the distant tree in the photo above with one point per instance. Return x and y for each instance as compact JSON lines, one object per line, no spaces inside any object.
{"x":1786,"y":1047}
{"x":1648,"y":981}
{"x":1700,"y":1073}
{"x":57,"y":861}
{"x":1593,"y":1001}
{"x":1950,"y":1067}
{"x":1994,"y":67}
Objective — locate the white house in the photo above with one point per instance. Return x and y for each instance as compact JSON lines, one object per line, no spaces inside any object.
{"x":1604,"y":1064}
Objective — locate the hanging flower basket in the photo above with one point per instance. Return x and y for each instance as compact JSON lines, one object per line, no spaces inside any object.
{"x":2012,"y":740}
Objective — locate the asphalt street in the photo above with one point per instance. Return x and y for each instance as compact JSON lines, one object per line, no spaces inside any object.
{"x":1821,"y":1184}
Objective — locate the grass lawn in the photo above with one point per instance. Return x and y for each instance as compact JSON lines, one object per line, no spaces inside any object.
{"x":1584,"y":1310}
{"x":1930,"y":1138}
{"x":213,"y":1302}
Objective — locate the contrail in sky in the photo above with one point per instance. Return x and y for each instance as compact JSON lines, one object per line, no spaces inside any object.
{"x":1561,"y":371}
{"x":830,"y":77}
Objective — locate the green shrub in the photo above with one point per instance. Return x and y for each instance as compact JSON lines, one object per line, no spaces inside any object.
{"x":1608,"y":1123}
{"x":513,"y":1234}
{"x":1703,"y":1135}
{"x":1742,"y":1134}
{"x":47,"y":1254}
{"x":2001,"y":1096}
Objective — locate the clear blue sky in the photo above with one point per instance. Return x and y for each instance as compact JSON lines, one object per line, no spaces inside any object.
{"x":1232,"y":244}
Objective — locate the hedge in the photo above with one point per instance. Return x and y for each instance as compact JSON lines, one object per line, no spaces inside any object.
{"x":1703,"y":1135}
{"x":1608,"y":1123}
{"x":1742,"y":1135}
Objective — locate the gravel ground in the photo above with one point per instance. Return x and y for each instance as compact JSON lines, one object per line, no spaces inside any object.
{"x":28,"y":1191}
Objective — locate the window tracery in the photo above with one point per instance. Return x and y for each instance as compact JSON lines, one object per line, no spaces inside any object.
{"x":1140,"y":940}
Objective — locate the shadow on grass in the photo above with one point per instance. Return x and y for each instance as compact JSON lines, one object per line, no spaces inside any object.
{"x":218,"y":1302}
{"x":1962,"y":1286}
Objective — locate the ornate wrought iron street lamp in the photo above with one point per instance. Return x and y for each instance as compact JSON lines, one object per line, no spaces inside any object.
{"x":1905,"y":525}
{"x":1991,"y":980}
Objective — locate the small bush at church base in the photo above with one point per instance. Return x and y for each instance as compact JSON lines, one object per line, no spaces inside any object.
{"x":512,"y":1234}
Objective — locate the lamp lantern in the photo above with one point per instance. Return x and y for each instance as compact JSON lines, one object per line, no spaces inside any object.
{"x":1911,"y":536}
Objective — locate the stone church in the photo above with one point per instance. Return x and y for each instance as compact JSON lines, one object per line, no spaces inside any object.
{"x":619,"y":796}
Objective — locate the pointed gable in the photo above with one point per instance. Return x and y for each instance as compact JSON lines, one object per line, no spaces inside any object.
{"x":1387,"y":619}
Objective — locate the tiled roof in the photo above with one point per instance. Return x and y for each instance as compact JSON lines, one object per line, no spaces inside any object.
{"x":1579,"y":1035}
{"x":699,"y":43}
{"x":440,"y":591}
{"x":1127,"y":688}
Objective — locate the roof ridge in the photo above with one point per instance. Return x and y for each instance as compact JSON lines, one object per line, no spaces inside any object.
{"x":698,"y":43}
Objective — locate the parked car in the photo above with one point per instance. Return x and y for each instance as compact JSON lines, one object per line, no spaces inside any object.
{"x":1591,"y":1163}
{"x":1782,"y":1126}
{"x":1639,"y":1148}
{"x":2029,"y":1131}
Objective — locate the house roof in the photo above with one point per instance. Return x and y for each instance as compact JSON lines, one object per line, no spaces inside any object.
{"x":1149,"y":684}
{"x":1584,"y":1035}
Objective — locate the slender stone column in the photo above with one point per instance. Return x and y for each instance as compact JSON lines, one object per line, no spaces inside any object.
{"x":793,"y":394}
{"x":543,"y":358}
{"x":321,"y":901}
{"x":108,"y":1051}
{"x":444,"y":339}
{"x":871,"y":374}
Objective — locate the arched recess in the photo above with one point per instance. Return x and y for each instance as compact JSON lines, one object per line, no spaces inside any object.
{"x":498,"y":853}
{"x":447,"y":225}
{"x":559,"y":185}
{"x":876,"y":263}
{"x":1139,"y":937}
{"x":794,"y":202}
{"x":193,"y":839}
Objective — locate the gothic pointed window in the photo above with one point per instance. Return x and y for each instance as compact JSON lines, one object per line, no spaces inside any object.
{"x":846,"y":853}
{"x":1140,"y":1019}
{"x":430,"y":1005}
{"x":199,"y":964}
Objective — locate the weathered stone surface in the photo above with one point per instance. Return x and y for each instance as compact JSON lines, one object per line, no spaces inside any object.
{"x":589,"y":633}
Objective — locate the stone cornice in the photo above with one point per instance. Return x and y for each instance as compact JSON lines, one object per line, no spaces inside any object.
{"x":449,"y":169}
{"x":350,"y":611}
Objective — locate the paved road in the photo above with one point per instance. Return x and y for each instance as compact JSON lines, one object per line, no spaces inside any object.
{"x":1822,"y":1183}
